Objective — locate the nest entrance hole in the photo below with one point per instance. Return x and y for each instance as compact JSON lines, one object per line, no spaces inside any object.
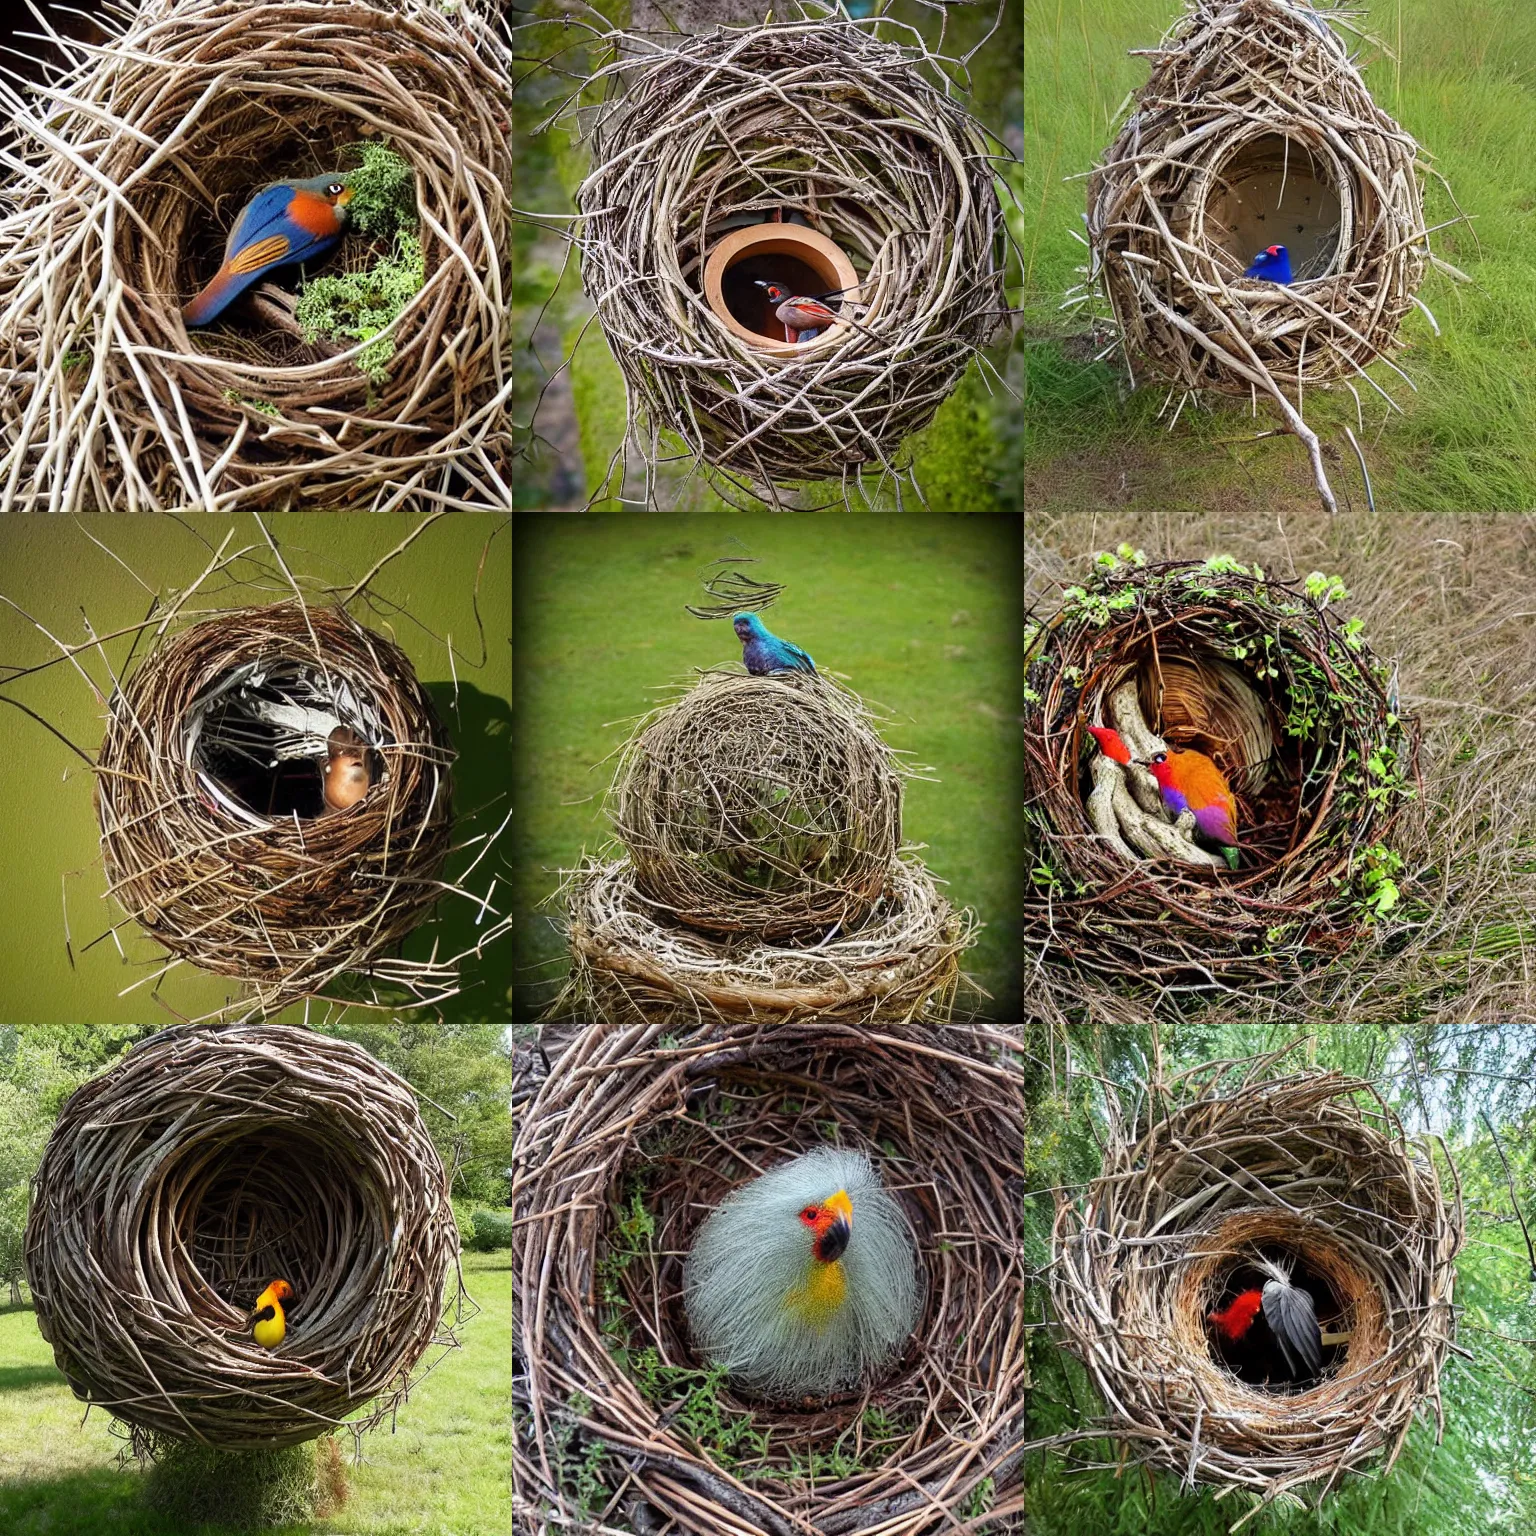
{"x":1275,"y":190}
{"x":798,"y":258}
{"x":750,"y":305}
{"x":1242,"y":1274}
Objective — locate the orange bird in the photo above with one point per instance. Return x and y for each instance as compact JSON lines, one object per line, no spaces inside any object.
{"x":1190,"y":781}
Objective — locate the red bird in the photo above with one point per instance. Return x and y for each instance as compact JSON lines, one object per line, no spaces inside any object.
{"x":1190,"y":781}
{"x":802,"y":316}
{"x":1110,"y":744}
{"x":1276,"y":1324}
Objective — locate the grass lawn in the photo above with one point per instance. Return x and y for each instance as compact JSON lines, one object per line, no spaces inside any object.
{"x":1465,"y":87}
{"x":920,"y":614}
{"x":443,"y":1472}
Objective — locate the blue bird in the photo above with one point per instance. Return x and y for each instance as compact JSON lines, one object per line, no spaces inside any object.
{"x":1273,"y":264}
{"x":763,"y":651}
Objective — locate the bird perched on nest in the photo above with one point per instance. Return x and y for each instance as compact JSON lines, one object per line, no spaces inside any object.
{"x":1190,"y":781}
{"x":1274,"y":1327}
{"x":763,"y":651}
{"x":801,"y":315}
{"x":805,"y":1280}
{"x":285,"y":223}
{"x":1273,"y":264}
{"x":267,"y":1320}
{"x":346,"y":770}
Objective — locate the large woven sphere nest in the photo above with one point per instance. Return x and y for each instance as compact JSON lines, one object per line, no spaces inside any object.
{"x":1264,"y":677}
{"x":205,"y":1164}
{"x":762,"y":805}
{"x":1254,"y":129}
{"x":138,"y":160}
{"x":236,"y":864}
{"x":819,"y":124}
{"x":621,"y":1154}
{"x":1311,"y":1170}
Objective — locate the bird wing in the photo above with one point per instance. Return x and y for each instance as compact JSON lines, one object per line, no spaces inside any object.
{"x":264,"y":1315}
{"x":266,"y":234}
{"x":1293,"y":1320}
{"x":798,"y":659}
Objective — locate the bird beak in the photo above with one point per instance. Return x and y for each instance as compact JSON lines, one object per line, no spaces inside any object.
{"x":834,"y":1241}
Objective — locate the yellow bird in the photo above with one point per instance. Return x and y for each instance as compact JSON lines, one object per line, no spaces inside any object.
{"x":267,"y":1316}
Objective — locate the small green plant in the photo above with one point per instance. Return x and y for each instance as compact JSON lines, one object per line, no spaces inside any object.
{"x":1378,"y":884}
{"x":691,"y":1398}
{"x":243,"y":1490}
{"x":264,"y":406}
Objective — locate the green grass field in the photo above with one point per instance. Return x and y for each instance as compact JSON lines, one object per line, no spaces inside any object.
{"x":921,"y":614}
{"x":1465,"y":87}
{"x":443,"y":1472}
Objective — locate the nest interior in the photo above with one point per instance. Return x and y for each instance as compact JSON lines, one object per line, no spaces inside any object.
{"x":1255,"y":128}
{"x":285,"y":902}
{"x":1310,"y":1167}
{"x":202,"y":1166}
{"x":626,"y":1122}
{"x":198,"y":104}
{"x":1286,"y":697}
{"x":814,"y":123}
{"x":764,"y":805}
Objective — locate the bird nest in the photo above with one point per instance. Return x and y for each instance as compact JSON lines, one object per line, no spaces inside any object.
{"x":760,"y":805}
{"x":136,"y":160}
{"x":625,"y":1148}
{"x":1266,"y":679}
{"x":1311,"y":1170}
{"x":798,"y":130}
{"x":215,"y":832}
{"x":1254,"y":129}
{"x":630,"y":965}
{"x":205,"y":1164}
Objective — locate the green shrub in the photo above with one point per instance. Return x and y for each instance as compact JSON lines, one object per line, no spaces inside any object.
{"x":244,"y":1490}
{"x":492,"y":1229}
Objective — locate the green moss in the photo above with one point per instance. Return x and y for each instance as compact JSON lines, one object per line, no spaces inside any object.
{"x":383,"y":191}
{"x":357,"y":306}
{"x":264,"y":406}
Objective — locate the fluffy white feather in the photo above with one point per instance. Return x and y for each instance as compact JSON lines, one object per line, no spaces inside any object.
{"x":762,"y":1304}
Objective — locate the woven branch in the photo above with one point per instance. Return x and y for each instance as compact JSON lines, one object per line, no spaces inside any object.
{"x":129,"y":167}
{"x":206,"y":1163}
{"x":819,"y":121}
{"x":286,"y":904}
{"x":1313,"y":1166}
{"x":1214,"y":649}
{"x":625,"y":1115}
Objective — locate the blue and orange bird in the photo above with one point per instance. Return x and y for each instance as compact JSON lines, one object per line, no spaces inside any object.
{"x":763,"y":652}
{"x":1273,"y":264}
{"x":1191,"y":782}
{"x":285,"y":223}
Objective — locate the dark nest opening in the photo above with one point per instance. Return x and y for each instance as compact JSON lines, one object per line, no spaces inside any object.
{"x":215,"y":834}
{"x":202,"y":1166}
{"x":816,"y":124}
{"x":1229,"y":1162}
{"x":1255,"y":129}
{"x":629,"y":1143}
{"x":139,"y":157}
{"x":1285,"y":696}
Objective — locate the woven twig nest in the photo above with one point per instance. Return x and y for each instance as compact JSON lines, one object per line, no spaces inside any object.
{"x":1286,"y":697}
{"x":137,"y":161}
{"x":215,"y":833}
{"x":627,"y":1124}
{"x":205,"y":1164}
{"x":1311,"y":1170}
{"x":812,"y":124}
{"x":630,"y":965}
{"x":1255,"y":128}
{"x":763,"y":805}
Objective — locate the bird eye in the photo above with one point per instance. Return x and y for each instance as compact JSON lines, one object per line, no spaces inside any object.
{"x":335,"y":189}
{"x":808,"y":1215}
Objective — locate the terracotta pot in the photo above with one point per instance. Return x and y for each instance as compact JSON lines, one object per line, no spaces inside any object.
{"x":824,"y":258}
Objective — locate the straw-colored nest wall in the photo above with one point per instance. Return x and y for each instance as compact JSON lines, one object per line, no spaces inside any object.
{"x":286,"y":902}
{"x":205,"y":1164}
{"x":137,"y":161}
{"x":1286,"y":697}
{"x":1312,"y":1170}
{"x":627,"y":1121}
{"x":815,"y":123}
{"x":1255,"y":126}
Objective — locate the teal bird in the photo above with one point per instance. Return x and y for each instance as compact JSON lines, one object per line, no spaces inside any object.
{"x":763,"y":651}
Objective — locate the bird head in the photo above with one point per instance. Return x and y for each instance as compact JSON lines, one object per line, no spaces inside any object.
{"x":776,"y":294}
{"x":1270,"y":256}
{"x":746,"y":625}
{"x":1161,"y":766}
{"x":1110,"y":743}
{"x":830,"y":1222}
{"x":280,"y":1290}
{"x":336,"y":187}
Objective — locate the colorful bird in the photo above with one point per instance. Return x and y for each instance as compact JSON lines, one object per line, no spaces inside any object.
{"x":267,"y":1316}
{"x":1273,"y":264}
{"x":802,"y":316}
{"x":1273,"y":1327}
{"x":1190,"y":781}
{"x":763,"y":651}
{"x":346,"y":770}
{"x":804,"y":1281}
{"x":285,"y":223}
{"x":1110,"y":744}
